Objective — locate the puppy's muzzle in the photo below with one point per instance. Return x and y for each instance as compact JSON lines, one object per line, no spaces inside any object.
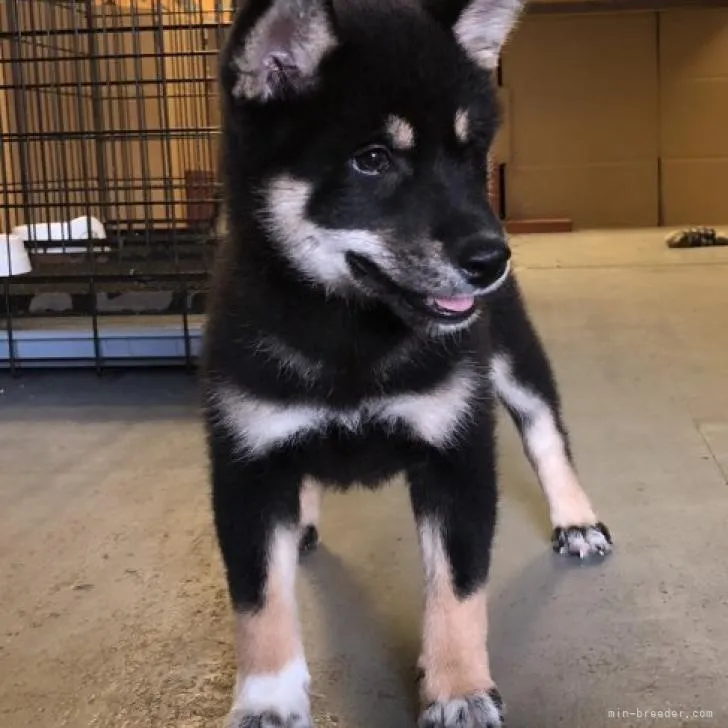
{"x":483,"y":260}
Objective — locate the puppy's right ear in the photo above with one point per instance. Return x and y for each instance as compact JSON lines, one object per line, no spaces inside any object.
{"x":275,"y":48}
{"x":480,"y":26}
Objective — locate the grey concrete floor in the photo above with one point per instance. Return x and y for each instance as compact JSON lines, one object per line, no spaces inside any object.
{"x":112,"y":607}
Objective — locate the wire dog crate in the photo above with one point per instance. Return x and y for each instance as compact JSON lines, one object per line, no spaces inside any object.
{"x":109,"y":119}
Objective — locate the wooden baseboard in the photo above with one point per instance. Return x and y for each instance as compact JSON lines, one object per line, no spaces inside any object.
{"x":549,"y":225}
{"x":520,"y":227}
{"x":549,"y":7}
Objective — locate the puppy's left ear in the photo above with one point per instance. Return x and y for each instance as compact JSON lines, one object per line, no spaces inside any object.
{"x":275,"y":48}
{"x":480,"y":26}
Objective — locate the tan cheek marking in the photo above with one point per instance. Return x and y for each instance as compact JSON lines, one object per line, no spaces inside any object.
{"x":454,"y":654}
{"x":462,"y":125}
{"x":401,"y":133}
{"x":268,"y":640}
{"x":310,"y":503}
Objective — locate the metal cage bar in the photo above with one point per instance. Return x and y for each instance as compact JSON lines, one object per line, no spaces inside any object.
{"x":109,"y":120}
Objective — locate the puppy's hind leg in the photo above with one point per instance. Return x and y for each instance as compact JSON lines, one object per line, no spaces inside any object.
{"x":310,"y":496}
{"x":524,"y":382}
{"x":454,"y":500}
{"x":256,"y":507}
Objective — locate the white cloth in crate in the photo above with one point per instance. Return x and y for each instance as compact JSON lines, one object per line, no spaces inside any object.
{"x":81,"y":228}
{"x":14,"y":260}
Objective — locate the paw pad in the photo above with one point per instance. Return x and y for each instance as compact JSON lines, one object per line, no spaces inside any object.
{"x":481,"y":710}
{"x":267,"y":720}
{"x":582,"y":541}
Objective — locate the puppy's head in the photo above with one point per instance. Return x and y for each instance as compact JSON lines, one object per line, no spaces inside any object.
{"x":362,"y":127}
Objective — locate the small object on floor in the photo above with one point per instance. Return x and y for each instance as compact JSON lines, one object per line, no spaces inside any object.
{"x":83,"y":587}
{"x":697,"y":237}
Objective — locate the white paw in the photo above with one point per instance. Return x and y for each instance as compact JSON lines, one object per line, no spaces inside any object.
{"x":481,"y":710}
{"x":274,"y":700}
{"x":240,"y":719}
{"x":582,"y":541}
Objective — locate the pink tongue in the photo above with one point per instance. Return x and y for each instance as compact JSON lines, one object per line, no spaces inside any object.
{"x":457,"y":305}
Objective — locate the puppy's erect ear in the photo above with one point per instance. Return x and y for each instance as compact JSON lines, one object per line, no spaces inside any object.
{"x":275,"y":48}
{"x":481,"y":26}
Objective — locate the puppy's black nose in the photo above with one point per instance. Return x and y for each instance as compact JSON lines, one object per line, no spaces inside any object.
{"x":483,"y":261}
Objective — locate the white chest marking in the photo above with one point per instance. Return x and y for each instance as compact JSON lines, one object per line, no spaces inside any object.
{"x":435,"y":416}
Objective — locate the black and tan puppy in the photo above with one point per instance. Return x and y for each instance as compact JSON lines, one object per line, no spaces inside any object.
{"x":364,"y":320}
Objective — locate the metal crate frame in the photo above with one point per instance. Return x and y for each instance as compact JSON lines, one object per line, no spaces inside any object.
{"x":108,"y":110}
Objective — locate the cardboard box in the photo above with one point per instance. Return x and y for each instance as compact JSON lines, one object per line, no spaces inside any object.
{"x":591,"y":195}
{"x":694,"y":192}
{"x":694,"y":113}
{"x":584,"y":119}
{"x":500,"y":150}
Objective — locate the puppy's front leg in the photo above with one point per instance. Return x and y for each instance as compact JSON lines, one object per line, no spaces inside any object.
{"x":257,"y":514}
{"x":454,"y":500}
{"x":523,"y":380}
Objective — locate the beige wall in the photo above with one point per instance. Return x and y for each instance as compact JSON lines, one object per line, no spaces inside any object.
{"x":584,"y":119}
{"x":694,"y":106}
{"x":619,"y":119}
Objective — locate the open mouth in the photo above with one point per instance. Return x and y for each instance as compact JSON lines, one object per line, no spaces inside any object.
{"x":452,"y":310}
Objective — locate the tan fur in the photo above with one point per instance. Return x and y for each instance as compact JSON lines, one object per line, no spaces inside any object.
{"x":462,"y":125}
{"x":312,"y":40}
{"x":569,"y":504}
{"x":401,"y":133}
{"x":310,"y":502}
{"x":269,"y":640}
{"x":484,"y":26}
{"x":454,"y":654}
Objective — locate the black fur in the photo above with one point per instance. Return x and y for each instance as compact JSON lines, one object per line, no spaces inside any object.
{"x":390,"y":58}
{"x":257,"y":293}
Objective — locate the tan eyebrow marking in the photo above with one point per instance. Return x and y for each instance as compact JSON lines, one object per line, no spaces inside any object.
{"x":401,"y":132}
{"x":462,"y":125}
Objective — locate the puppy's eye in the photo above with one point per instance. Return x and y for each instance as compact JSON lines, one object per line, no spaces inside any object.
{"x":372,"y":161}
